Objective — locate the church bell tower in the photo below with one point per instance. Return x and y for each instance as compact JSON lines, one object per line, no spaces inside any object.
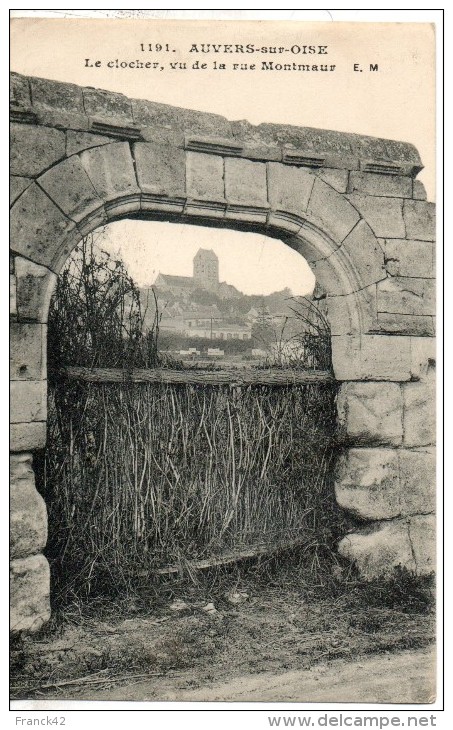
{"x":206,"y":269}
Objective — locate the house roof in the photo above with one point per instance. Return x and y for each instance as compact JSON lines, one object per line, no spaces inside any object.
{"x":172,"y":280}
{"x":202,"y":312}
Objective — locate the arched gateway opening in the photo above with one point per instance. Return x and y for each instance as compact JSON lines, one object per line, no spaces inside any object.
{"x":190,"y":424}
{"x":349,"y":205}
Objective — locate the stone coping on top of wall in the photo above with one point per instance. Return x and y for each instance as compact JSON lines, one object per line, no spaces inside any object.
{"x":110,"y":115}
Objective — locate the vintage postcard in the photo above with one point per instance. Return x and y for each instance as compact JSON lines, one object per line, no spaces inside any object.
{"x":223,"y":363}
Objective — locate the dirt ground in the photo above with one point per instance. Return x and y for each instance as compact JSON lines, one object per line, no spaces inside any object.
{"x":406,"y":677}
{"x":243,"y":644}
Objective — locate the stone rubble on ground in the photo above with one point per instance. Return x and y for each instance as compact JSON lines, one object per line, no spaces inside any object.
{"x":236,"y":597}
{"x":178,"y":605}
{"x":210,"y":608}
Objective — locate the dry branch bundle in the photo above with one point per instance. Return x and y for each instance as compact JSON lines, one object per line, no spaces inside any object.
{"x":143,"y":475}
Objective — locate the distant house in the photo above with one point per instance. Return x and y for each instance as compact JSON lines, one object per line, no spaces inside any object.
{"x":227,"y":291}
{"x":170,"y":322}
{"x":215,"y":328}
{"x":252,"y":315}
{"x":231,"y":331}
{"x":201,"y":316}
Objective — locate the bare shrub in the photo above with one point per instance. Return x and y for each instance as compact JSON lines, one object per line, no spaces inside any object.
{"x":300,"y":339}
{"x":96,"y":316}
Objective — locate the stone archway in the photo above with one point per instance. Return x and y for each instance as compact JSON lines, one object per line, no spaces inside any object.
{"x":350,"y":205}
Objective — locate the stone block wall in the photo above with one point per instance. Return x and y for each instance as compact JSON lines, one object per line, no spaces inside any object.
{"x":386,"y":475}
{"x":351,"y":205}
{"x":30,"y":605}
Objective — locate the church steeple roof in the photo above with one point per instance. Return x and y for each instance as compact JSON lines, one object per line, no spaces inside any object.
{"x":207,"y":253}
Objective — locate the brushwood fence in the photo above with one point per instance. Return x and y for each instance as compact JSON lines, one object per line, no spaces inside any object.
{"x":159,"y":471}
